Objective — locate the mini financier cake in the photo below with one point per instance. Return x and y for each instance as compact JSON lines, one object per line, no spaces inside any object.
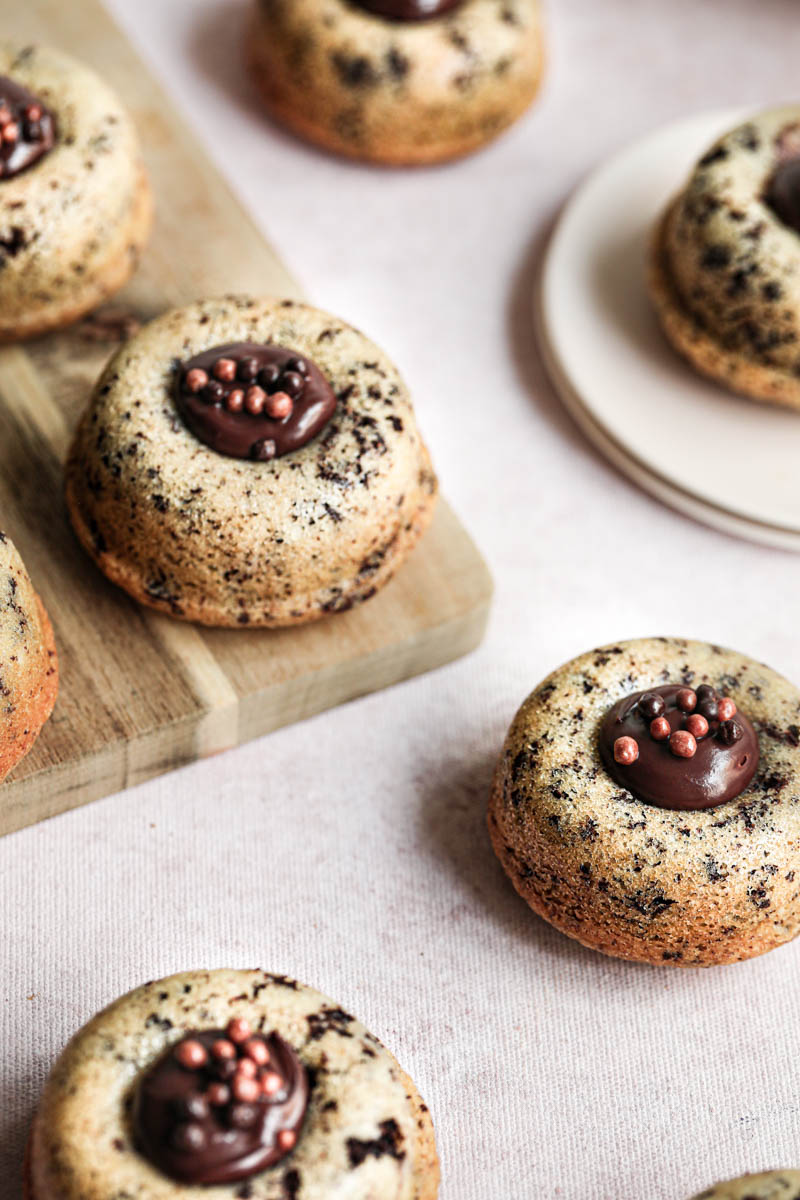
{"x":75,"y":204}
{"x":725,"y":272}
{"x":28,"y":661}
{"x":647,"y":803}
{"x":397,"y":81}
{"x":250,"y":462}
{"x":229,"y":1084}
{"x":771,"y":1185}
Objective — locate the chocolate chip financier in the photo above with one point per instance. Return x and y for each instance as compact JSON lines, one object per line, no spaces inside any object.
{"x":647,"y":803}
{"x":771,"y":1185}
{"x":250,"y":462}
{"x":28,"y":660}
{"x":75,"y":204}
{"x":725,"y":271}
{"x":397,"y":81}
{"x":229,"y":1084}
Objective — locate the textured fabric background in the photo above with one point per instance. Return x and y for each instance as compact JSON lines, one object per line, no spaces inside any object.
{"x":350,"y":851}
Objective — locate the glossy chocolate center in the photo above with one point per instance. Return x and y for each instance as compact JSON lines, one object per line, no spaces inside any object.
{"x":203,"y":1117}
{"x":409,"y":10}
{"x":248,"y":400}
{"x":674,"y":767}
{"x":27,"y":128}
{"x":783,"y":193}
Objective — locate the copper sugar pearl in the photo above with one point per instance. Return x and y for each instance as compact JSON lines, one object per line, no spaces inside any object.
{"x":255,"y":399}
{"x":626,"y":750}
{"x":643,"y":734}
{"x":682,"y":743}
{"x":248,"y":1054}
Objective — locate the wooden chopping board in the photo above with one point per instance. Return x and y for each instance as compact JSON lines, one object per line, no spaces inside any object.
{"x":140,"y":693}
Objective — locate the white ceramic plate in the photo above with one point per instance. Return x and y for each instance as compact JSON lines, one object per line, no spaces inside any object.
{"x":723,"y":459}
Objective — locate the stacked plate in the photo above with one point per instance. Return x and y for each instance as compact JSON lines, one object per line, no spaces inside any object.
{"x":720,"y":458}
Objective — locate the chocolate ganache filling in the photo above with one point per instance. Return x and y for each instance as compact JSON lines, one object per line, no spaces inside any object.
{"x":409,"y":10}
{"x":221,"y":1105}
{"x":27,"y":128}
{"x":247,"y":400}
{"x":783,"y":193}
{"x":679,"y":748}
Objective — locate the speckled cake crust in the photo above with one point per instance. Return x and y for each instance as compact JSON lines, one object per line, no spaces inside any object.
{"x":725,"y":270}
{"x":622,"y":876}
{"x":226,"y":541}
{"x":771,"y":1185}
{"x":72,"y":225}
{"x":367,"y":1134}
{"x":396,"y":92}
{"x":28,"y":660}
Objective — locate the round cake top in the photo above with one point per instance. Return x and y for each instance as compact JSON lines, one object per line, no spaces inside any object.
{"x":27,"y":128}
{"x":221,"y":1105}
{"x":679,"y":748}
{"x":558,"y":774}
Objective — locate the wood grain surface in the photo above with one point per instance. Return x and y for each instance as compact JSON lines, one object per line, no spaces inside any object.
{"x":140,"y":693}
